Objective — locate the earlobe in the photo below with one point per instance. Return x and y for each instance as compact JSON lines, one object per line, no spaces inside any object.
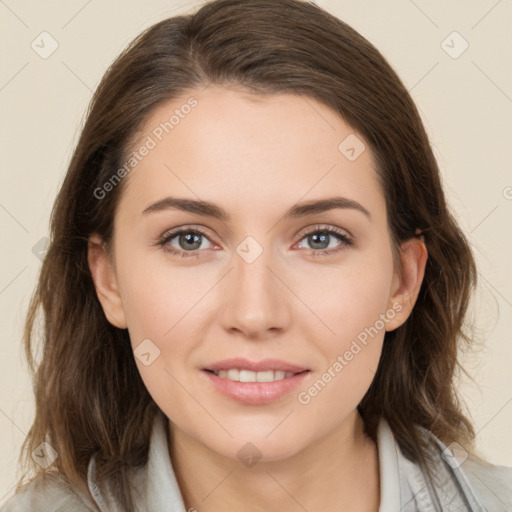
{"x":408,"y":279}
{"x":105,"y":282}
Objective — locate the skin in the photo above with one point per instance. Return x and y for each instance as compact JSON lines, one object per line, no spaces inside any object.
{"x":256,"y":157}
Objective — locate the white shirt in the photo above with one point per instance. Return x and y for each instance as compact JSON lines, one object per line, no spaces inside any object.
{"x":460,"y":485}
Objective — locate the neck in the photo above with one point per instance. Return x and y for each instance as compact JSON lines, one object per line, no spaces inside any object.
{"x":337,"y":472}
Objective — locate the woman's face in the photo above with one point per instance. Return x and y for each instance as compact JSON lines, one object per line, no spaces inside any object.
{"x":266,"y":283}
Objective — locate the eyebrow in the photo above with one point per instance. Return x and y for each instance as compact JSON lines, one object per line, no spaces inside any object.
{"x":209,"y":209}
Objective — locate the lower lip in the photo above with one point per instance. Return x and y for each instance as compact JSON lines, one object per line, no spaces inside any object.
{"x":255,"y":393}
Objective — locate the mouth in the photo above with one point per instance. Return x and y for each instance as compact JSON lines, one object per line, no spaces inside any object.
{"x":254,"y":383}
{"x":238,"y":375}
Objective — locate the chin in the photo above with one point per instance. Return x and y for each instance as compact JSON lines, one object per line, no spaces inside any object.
{"x":248,"y":449}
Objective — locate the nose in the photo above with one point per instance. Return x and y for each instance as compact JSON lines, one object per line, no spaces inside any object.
{"x":255,"y":302}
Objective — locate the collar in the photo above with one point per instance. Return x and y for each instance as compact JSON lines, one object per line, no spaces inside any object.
{"x":163,"y":489}
{"x":156,"y":489}
{"x":154,"y":486}
{"x":388,"y":468}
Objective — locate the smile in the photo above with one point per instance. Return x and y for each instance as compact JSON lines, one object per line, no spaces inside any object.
{"x":250,"y":376}
{"x":254,"y":388}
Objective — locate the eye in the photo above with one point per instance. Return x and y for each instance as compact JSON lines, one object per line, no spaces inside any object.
{"x":322,"y":240}
{"x":187,"y":242}
{"x":184,"y":242}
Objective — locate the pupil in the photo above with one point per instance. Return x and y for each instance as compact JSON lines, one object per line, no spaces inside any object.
{"x":320,"y":239}
{"x":192,"y":238}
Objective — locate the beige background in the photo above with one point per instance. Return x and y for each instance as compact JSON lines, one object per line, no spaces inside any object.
{"x":466,"y":103}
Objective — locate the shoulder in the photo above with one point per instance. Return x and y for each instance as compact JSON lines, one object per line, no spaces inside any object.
{"x":482,"y":483}
{"x":491,"y":483}
{"x":51,"y":493}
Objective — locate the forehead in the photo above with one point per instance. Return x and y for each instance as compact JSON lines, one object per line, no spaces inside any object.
{"x":247,"y":151}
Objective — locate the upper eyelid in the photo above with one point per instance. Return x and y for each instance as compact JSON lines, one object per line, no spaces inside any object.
{"x":173,"y":232}
{"x":324,"y":227}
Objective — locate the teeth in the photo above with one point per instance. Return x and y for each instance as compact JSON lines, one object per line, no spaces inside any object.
{"x":249,"y":376}
{"x":233,"y":374}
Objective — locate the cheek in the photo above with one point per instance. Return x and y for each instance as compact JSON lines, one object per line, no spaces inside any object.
{"x":157,"y":297}
{"x":353,"y":299}
{"x":350,"y":356}
{"x":165,"y":305}
{"x":355,"y":308}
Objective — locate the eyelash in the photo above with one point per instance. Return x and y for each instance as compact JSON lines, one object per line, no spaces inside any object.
{"x":345,"y":240}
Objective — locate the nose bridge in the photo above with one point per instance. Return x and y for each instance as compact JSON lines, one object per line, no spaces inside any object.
{"x":254,"y":299}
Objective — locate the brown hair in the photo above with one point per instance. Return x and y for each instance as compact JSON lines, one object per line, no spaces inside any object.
{"x":90,"y":398}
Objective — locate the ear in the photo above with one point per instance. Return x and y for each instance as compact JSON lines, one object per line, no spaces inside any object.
{"x":105,"y":281}
{"x":407,"y":280}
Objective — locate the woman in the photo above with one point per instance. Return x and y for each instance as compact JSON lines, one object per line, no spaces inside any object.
{"x":255,"y":292}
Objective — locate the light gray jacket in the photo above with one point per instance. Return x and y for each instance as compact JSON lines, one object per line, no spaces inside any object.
{"x":462,"y":484}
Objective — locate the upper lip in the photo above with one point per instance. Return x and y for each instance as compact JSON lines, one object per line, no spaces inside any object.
{"x":255,"y":366}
